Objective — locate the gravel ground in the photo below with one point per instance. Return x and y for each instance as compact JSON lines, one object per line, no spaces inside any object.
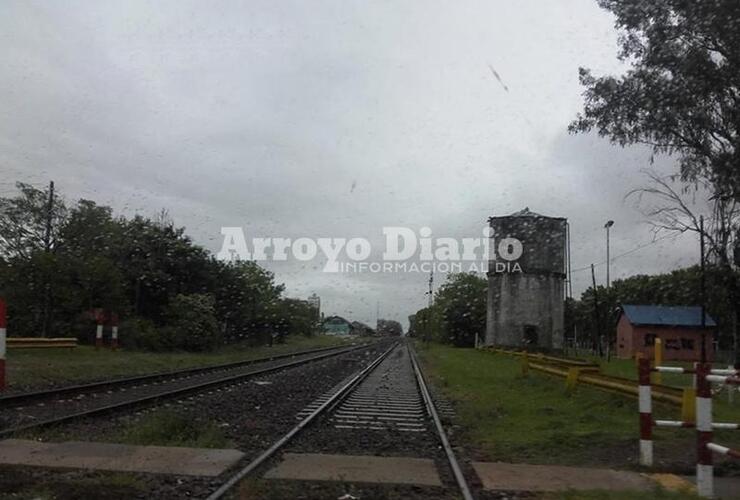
{"x":252,"y":414}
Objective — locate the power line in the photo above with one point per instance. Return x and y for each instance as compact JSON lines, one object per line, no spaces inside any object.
{"x":639,"y":247}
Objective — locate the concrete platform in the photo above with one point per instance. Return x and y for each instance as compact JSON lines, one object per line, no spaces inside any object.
{"x":118,"y":457}
{"x":726,"y":488}
{"x":523,"y":477}
{"x":353,"y":468}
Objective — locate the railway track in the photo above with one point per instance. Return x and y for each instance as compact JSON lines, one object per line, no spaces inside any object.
{"x":383,"y":410}
{"x":32,"y":410}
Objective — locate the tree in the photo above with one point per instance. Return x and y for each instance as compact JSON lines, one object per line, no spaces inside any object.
{"x":191,"y":322}
{"x":29,"y":237}
{"x":462,"y":304}
{"x":389,"y":327}
{"x":458,"y":312}
{"x":681,"y":94}
{"x":24,"y":219}
{"x":292,"y":317}
{"x":247,"y":300}
{"x":672,"y":209}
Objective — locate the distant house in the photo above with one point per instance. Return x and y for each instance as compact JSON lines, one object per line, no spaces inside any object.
{"x":337,"y":325}
{"x":678,"y":327}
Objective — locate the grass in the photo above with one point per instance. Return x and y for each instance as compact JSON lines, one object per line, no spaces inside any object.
{"x":30,"y":368}
{"x":657,"y":493}
{"x":527,"y":419}
{"x":168,"y":428}
{"x":533,"y":419}
{"x":723,"y":410}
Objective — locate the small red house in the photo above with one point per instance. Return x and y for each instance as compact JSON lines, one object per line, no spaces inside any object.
{"x":678,"y":327}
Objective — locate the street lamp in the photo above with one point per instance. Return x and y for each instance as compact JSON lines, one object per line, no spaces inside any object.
{"x":607,"y":226}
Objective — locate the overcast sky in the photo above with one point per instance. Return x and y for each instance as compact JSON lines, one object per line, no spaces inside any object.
{"x":325,"y":119}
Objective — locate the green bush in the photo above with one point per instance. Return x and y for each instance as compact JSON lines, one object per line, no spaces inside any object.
{"x":191,"y":323}
{"x":140,"y":333}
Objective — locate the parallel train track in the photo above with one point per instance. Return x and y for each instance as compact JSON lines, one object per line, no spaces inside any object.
{"x":34,"y":410}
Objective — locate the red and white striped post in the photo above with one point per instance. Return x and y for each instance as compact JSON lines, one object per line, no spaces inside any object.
{"x":704,"y":468}
{"x":114,"y":331}
{"x":99,"y":332}
{"x":723,"y":450}
{"x":3,"y":342}
{"x":646,"y":413}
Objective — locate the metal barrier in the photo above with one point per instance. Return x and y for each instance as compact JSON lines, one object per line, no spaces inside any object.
{"x":704,"y":376}
{"x":41,"y":343}
{"x":585,"y":372}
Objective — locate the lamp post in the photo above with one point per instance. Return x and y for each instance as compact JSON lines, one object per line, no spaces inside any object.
{"x":608,"y":225}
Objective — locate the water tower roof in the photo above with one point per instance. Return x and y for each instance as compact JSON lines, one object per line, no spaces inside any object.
{"x":526,"y":213}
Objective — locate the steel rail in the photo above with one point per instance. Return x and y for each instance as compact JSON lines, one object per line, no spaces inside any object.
{"x":24,"y":397}
{"x":146,"y":400}
{"x":451,"y":459}
{"x":338,"y":396}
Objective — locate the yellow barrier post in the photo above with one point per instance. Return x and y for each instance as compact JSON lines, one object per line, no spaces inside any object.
{"x":657,"y":376}
{"x":688,"y":405}
{"x":572,"y":379}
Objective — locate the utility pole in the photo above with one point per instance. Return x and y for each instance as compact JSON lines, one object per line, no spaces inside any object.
{"x":597,"y":323}
{"x":702,"y":292}
{"x":377,"y":317}
{"x":429,"y":313}
{"x":431,"y":290}
{"x":46,"y":313}
{"x":49,"y":215}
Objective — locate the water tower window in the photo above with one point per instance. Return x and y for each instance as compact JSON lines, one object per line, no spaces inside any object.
{"x":530,"y":334}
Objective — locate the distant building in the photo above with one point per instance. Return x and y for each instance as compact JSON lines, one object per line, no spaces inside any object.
{"x":678,"y":327}
{"x":526,"y":302}
{"x":337,"y":325}
{"x":359,"y":328}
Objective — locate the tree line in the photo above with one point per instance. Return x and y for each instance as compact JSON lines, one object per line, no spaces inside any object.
{"x":60,"y":264}
{"x":595,"y":314}
{"x":458,"y":312}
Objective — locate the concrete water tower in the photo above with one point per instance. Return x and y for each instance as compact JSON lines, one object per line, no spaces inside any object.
{"x":526,"y":302}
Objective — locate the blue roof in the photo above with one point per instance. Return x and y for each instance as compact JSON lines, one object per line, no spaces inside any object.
{"x":666,"y":315}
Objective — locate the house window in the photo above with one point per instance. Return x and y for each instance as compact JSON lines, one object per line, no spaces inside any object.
{"x":687,"y":344}
{"x":674,"y":344}
{"x":649,"y":339}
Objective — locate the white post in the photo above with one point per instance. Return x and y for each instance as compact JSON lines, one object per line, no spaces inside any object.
{"x":99,"y":336}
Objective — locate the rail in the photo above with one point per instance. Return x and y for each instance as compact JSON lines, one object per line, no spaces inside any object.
{"x":342,"y":393}
{"x":451,"y":459}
